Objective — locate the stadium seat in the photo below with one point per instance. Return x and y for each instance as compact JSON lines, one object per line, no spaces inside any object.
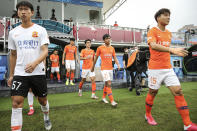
{"x":39,"y":22}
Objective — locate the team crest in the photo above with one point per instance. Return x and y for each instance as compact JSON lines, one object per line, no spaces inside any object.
{"x":35,"y":34}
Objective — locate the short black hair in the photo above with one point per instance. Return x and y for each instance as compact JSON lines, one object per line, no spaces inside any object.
{"x":25,"y":3}
{"x":106,"y":36}
{"x":87,"y":40}
{"x":126,"y":47}
{"x":161,"y":11}
{"x":55,"y":50}
{"x":72,"y":39}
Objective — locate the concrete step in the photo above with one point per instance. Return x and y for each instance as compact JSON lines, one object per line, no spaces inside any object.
{"x":62,"y":88}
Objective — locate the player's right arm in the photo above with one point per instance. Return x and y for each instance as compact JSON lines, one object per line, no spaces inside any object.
{"x":92,"y":69}
{"x":98,"y":52}
{"x":152,"y":43}
{"x":13,"y":56}
{"x":63,"y":55}
{"x":82,"y":56}
{"x":176,"y":51}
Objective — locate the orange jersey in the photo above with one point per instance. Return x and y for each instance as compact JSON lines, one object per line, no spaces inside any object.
{"x":70,"y":52}
{"x":106,"y":54}
{"x":158,"y":59}
{"x":87,"y":64}
{"x":54,"y":57}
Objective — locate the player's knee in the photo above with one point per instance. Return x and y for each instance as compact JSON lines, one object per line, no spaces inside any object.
{"x":16,"y":103}
{"x":83,"y":80}
{"x":153,"y":92}
{"x":178,"y":92}
{"x":109,"y":84}
{"x":93,"y":80}
{"x":42,"y":100}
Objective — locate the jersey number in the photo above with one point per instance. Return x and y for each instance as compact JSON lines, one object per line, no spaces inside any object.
{"x":16,"y":85}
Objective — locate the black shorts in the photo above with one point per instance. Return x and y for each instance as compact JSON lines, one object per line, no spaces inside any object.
{"x":21,"y":85}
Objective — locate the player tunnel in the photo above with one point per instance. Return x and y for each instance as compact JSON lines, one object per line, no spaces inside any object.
{"x":56,"y":44}
{"x":190,"y":62}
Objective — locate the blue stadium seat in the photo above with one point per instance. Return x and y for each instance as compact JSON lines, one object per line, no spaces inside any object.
{"x":15,"y":25}
{"x":50,"y":25}
{"x":39,"y":22}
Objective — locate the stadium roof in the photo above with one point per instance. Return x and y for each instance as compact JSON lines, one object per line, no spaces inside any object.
{"x":106,"y":5}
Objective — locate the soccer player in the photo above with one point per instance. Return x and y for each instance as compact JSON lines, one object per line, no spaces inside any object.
{"x":54,"y":58}
{"x":28,"y":45}
{"x":106,"y":52}
{"x":30,"y":99}
{"x":87,"y":55}
{"x":70,"y":51}
{"x":160,"y":69}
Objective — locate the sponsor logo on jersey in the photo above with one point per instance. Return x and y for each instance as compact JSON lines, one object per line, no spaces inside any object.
{"x":28,"y":44}
{"x":35,"y":34}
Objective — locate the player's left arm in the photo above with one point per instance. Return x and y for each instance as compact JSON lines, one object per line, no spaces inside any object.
{"x":76,"y":56}
{"x":117,"y":62}
{"x":94,"y":62}
{"x":115,"y":59}
{"x":31,"y":66}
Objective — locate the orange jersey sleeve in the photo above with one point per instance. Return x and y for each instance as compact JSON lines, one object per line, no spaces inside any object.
{"x":151,"y":36}
{"x":98,"y":51}
{"x":82,"y":53}
{"x":158,"y":59}
{"x":114,"y":53}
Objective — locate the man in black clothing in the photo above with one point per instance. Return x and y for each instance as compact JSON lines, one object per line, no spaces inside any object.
{"x":129,"y":74}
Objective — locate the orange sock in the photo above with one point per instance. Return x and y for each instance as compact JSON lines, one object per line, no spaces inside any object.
{"x":109,"y":93}
{"x":72,"y":75}
{"x":182,"y":107}
{"x":80,"y":85}
{"x":51,"y":76}
{"x":104,"y":92}
{"x":67,"y":75}
{"x":16,"y":128}
{"x":58,"y":76}
{"x":149,"y":103}
{"x":93,"y":87}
